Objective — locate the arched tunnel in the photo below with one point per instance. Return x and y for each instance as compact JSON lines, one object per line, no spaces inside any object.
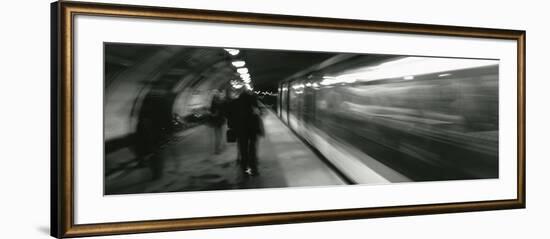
{"x":189,"y":118}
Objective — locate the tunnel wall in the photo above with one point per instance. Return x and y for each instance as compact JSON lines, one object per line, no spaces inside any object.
{"x":125,"y":94}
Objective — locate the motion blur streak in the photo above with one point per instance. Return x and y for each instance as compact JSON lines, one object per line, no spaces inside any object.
{"x":413,"y":118}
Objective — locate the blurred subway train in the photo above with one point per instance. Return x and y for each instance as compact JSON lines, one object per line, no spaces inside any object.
{"x":404,"y":118}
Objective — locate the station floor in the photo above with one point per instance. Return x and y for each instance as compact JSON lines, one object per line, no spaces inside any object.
{"x":189,"y":164}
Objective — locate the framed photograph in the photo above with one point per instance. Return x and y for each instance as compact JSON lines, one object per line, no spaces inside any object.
{"x":170,"y":119}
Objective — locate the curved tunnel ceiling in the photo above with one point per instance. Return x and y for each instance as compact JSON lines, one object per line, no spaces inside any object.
{"x":267,"y":67}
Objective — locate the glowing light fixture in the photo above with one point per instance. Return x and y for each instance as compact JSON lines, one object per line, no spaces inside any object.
{"x":443,"y":75}
{"x":238,"y":63}
{"x":243,"y":70}
{"x":408,"y":77}
{"x":232,"y":52}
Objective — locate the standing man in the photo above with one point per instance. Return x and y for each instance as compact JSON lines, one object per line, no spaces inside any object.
{"x":248,"y":126}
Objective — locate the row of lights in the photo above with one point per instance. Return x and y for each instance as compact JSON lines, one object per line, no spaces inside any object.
{"x":329,"y":80}
{"x":265,"y":93}
{"x":333,"y":81}
{"x":241,"y":69}
{"x":407,"y":68}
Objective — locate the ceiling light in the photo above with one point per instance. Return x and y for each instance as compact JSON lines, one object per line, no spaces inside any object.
{"x":233,"y":52}
{"x":243,"y":70}
{"x":238,"y":63}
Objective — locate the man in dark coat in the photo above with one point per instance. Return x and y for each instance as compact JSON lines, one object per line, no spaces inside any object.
{"x":247,"y":123}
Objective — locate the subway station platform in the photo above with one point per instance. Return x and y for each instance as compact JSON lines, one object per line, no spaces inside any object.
{"x":190,"y":164}
{"x":434,"y":119}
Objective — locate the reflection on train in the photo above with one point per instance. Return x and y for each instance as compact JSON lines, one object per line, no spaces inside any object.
{"x":427,"y":118}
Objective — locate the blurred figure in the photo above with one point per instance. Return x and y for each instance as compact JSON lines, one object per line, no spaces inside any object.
{"x":247,"y":123}
{"x":217,"y":119}
{"x":153,"y":130}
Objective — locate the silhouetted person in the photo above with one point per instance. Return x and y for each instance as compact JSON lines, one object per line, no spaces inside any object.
{"x":217,"y":120}
{"x":247,"y":123}
{"x":153,"y":130}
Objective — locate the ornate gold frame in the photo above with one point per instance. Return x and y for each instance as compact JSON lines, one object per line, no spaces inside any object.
{"x":62,"y":220}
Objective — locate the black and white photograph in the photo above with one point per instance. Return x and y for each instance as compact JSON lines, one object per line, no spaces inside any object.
{"x":274,"y":119}
{"x":192,"y":118}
